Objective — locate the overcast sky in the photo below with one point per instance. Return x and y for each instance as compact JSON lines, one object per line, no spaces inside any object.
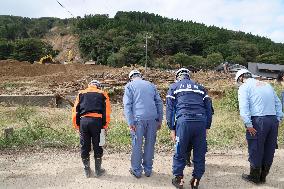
{"x":260,"y":17}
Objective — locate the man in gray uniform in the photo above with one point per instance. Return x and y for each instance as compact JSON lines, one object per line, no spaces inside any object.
{"x":143,"y":109}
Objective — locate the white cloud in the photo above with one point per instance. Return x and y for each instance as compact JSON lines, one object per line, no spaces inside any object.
{"x":262,"y":17}
{"x":277,"y":35}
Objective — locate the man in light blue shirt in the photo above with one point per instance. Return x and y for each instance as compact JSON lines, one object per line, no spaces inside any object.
{"x":261,"y":111}
{"x":143,"y":109}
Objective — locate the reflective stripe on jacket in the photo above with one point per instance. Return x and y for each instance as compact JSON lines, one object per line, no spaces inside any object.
{"x":186,"y":97}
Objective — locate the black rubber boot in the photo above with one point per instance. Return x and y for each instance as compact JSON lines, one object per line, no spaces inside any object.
{"x":98,"y":167}
{"x":194,"y":183}
{"x":177,"y":181}
{"x":264,"y":172}
{"x":87,"y":169}
{"x":254,"y":175}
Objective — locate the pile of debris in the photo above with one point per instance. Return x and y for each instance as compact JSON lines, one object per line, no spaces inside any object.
{"x":18,"y":78}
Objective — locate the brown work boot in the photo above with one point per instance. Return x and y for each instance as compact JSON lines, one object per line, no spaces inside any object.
{"x":194,"y":183}
{"x":178,"y":181}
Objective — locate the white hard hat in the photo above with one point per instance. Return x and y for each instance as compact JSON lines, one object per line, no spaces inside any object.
{"x":95,"y":82}
{"x":241,"y":72}
{"x":182,"y":71}
{"x":133,"y":72}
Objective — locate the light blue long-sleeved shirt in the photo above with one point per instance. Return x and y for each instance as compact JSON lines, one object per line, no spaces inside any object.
{"x":258,"y":98}
{"x":142,"y":101}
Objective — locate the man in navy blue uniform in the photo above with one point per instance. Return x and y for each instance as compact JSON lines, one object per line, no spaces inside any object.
{"x":261,"y":112}
{"x":188,"y":114}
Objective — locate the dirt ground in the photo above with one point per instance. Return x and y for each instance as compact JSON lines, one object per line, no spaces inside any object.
{"x":63,"y":169}
{"x":23,"y":78}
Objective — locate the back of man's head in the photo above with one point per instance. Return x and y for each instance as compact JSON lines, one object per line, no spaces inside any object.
{"x":95,"y":83}
{"x":182,"y":73}
{"x":134,"y":74}
{"x":242,"y":74}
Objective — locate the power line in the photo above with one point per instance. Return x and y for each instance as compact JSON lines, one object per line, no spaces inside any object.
{"x":65,"y":8}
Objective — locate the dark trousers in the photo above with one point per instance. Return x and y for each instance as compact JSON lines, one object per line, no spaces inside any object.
{"x":261,"y":147}
{"x":190,"y":147}
{"x":90,"y":129}
{"x":190,"y":132}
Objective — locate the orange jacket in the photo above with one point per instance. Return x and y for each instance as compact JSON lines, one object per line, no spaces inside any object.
{"x":91,"y":102}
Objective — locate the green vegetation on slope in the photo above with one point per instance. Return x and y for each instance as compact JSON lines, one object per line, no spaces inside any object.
{"x":120,"y":41}
{"x":20,"y":38}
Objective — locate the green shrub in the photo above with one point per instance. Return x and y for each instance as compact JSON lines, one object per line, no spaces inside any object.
{"x":230,"y":100}
{"x":118,"y":136}
{"x":164,"y":141}
{"x":31,"y":50}
{"x":38,"y":132}
{"x":35,"y":128}
{"x":227,"y":130}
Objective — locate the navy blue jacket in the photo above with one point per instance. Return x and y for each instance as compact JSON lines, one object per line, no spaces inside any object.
{"x":186,"y":97}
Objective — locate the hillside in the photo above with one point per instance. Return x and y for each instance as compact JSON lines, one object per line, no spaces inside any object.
{"x":120,"y":41}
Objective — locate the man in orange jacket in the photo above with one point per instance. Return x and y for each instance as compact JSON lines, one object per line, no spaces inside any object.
{"x":91,"y":114}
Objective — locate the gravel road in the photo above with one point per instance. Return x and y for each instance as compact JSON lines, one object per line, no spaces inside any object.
{"x":63,"y":169}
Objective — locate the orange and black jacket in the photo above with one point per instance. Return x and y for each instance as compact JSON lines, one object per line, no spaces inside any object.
{"x":91,"y":102}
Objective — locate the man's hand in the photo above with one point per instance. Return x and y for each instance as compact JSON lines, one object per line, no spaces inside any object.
{"x":132,"y":128}
{"x":252,"y":131}
{"x":173,"y":135}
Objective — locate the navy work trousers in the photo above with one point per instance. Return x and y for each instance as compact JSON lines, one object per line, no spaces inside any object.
{"x":261,"y":147}
{"x":90,"y":129}
{"x":190,"y":132}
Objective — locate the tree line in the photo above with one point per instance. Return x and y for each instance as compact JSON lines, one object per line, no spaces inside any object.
{"x":120,"y":41}
{"x":20,"y":37}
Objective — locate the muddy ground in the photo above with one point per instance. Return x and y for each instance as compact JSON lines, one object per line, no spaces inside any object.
{"x":63,"y":169}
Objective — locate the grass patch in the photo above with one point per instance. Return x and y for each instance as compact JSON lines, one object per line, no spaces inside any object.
{"x":229,"y":101}
{"x":164,"y":142}
{"x":227,"y":129}
{"x":46,"y":127}
{"x":118,"y":136}
{"x":38,"y":131}
{"x":10,"y":85}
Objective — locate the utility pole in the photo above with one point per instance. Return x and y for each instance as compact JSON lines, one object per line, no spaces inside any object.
{"x":146,"y":48}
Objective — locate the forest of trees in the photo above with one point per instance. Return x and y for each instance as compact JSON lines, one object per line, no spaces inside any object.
{"x":20,"y":38}
{"x":120,"y":41}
